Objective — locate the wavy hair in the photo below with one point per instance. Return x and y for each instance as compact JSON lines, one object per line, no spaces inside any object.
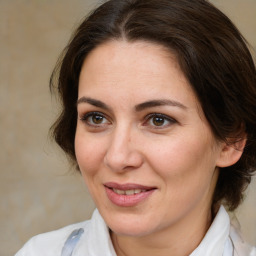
{"x":212,"y":54}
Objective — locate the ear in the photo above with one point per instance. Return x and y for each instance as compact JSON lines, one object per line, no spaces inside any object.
{"x":231,"y":152}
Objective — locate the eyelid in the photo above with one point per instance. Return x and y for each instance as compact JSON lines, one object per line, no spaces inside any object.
{"x":160,"y":115}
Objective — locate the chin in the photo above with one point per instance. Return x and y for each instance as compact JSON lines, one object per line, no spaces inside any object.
{"x":127,"y":225}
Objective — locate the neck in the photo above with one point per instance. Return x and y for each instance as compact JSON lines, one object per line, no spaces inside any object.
{"x":180,"y":239}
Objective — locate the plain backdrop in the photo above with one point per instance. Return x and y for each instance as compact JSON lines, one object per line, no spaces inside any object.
{"x":38,"y":191}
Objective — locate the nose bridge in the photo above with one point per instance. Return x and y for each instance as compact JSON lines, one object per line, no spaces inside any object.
{"x":123,"y":150}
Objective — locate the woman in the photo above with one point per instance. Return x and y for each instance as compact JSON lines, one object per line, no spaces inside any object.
{"x":159,"y":116}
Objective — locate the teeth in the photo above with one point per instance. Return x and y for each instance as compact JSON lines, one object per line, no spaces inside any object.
{"x":119,"y":192}
{"x":137,"y":191}
{"x":128,"y":192}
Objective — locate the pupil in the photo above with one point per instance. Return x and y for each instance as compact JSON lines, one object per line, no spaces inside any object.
{"x":158,"y":121}
{"x":97,"y":119}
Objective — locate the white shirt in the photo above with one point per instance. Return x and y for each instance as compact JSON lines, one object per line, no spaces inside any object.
{"x":91,"y":238}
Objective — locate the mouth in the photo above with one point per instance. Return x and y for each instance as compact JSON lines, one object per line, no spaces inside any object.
{"x":127,"y":195}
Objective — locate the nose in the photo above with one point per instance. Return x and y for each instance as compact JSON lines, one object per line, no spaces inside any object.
{"x":123,"y":153}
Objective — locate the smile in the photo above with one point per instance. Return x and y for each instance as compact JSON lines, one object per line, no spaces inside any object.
{"x":127,"y":195}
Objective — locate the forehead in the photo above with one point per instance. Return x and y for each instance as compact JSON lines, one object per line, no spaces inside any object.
{"x":137,"y":70}
{"x":139,"y":56}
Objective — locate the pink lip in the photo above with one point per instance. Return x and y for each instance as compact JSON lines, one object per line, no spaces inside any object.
{"x":127,"y":200}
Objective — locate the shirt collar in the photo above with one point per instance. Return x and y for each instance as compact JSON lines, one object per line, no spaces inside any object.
{"x":98,"y":242}
{"x":214,"y":241}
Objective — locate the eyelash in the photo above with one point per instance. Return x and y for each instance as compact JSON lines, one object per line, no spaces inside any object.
{"x":165,"y":118}
{"x":85,"y":118}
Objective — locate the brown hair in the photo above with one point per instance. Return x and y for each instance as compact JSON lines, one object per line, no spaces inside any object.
{"x":212,"y":55}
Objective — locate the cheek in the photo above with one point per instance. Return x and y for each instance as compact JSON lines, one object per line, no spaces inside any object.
{"x":183,"y":163}
{"x":173,"y":154}
{"x":187,"y":175}
{"x":89,"y":154}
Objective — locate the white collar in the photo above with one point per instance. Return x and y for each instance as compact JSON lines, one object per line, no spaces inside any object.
{"x":97,"y":242}
{"x":217,"y":241}
{"x":214,"y":242}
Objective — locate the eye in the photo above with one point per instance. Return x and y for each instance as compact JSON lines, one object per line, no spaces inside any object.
{"x":159,"y":121}
{"x":95,"y":119}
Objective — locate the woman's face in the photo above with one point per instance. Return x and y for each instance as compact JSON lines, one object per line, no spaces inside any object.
{"x":143,"y":145}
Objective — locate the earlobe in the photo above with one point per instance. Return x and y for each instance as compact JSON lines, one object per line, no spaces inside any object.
{"x":231,"y":152}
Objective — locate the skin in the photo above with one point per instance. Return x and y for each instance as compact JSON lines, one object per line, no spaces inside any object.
{"x":176,"y":154}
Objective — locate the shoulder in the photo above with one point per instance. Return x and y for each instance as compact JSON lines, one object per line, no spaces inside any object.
{"x":90,"y":237}
{"x":51,"y":243}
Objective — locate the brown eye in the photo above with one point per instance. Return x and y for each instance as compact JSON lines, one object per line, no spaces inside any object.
{"x":96,"y":119}
{"x":158,"y":121}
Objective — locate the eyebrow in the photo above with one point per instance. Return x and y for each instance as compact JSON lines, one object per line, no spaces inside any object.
{"x":138,"y":108}
{"x":157,"y":103}
{"x":96,"y":103}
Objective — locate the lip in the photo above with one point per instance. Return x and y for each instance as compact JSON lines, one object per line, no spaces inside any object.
{"x":127,"y":200}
